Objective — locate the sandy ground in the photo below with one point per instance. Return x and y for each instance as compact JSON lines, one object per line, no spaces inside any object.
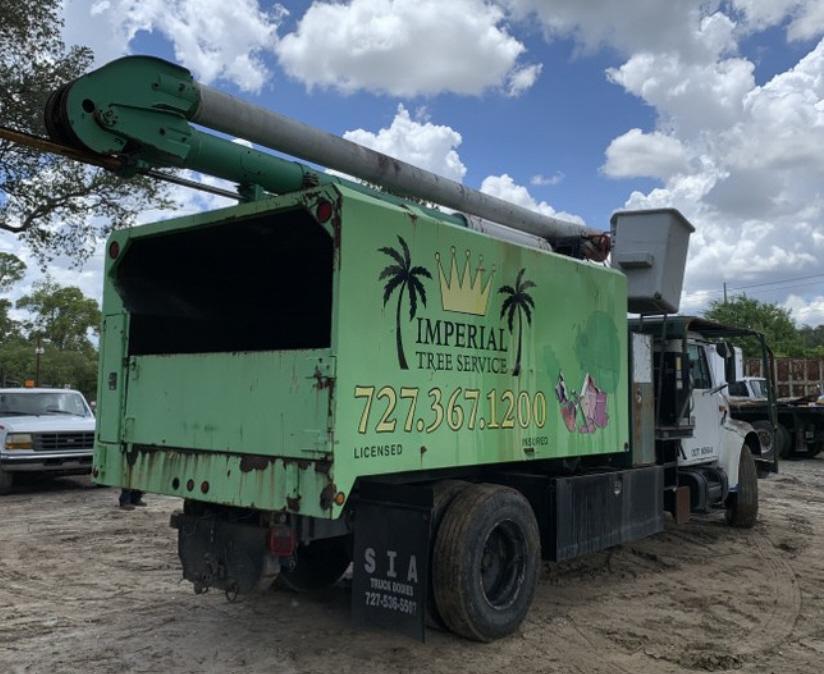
{"x":85,"y":587}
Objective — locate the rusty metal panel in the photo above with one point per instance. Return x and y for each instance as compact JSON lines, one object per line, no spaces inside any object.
{"x":795,"y":376}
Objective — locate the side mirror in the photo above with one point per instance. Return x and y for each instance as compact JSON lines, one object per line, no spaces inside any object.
{"x":722,"y":350}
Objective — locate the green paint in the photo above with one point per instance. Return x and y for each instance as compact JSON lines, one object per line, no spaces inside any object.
{"x":484,"y":330}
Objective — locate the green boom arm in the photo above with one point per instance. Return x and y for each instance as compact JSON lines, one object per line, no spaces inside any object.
{"x":139,"y":108}
{"x":144,"y":111}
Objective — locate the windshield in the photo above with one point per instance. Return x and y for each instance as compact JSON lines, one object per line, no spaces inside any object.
{"x":43,"y":404}
{"x":759,"y":388}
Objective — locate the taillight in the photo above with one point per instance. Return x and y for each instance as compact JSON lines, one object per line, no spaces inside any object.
{"x":323,"y":211}
{"x":281,"y":541}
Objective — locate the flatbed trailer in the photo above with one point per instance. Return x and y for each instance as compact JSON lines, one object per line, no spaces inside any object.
{"x":329,"y":373}
{"x":799,"y":421}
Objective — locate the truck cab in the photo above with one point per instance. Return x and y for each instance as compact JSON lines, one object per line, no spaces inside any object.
{"x":47,"y":431}
{"x":717,"y":435}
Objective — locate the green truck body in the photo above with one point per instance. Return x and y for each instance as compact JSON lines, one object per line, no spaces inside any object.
{"x":338,"y":373}
{"x":358,"y":337}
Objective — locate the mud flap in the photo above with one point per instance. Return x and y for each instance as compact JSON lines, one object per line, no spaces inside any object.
{"x":224,"y":555}
{"x":391,"y":558}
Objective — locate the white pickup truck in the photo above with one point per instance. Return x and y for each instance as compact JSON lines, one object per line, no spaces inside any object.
{"x":44,"y":431}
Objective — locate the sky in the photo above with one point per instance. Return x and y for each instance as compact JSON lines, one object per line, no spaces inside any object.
{"x":575,"y":109}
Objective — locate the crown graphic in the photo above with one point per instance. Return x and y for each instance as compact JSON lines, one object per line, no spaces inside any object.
{"x":467,"y":294}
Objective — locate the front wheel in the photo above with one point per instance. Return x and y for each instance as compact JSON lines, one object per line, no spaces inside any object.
{"x":742,"y":506}
{"x":5,"y":481}
{"x":485,"y":562}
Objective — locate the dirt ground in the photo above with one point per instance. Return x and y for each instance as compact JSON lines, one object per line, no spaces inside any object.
{"x":85,"y":587}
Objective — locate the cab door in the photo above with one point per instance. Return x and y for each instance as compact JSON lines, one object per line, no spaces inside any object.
{"x":708,"y":409}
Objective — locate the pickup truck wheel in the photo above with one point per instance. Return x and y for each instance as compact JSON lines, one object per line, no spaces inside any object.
{"x":742,"y":506}
{"x":486,"y":562}
{"x":443,"y":493}
{"x":318,"y":565}
{"x":5,"y":481}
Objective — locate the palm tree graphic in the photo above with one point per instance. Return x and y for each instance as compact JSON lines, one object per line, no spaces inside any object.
{"x":518,"y":302}
{"x":404,"y":276}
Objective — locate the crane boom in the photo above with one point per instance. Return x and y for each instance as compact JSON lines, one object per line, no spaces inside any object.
{"x":145,"y":109}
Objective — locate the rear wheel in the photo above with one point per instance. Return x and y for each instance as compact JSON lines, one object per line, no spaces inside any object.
{"x":318,"y":565}
{"x":486,"y":562}
{"x":5,"y":481}
{"x":443,"y":493}
{"x":742,"y":506}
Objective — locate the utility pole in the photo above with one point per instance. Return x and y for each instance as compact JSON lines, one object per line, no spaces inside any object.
{"x":38,"y":351}
{"x":725,"y":292}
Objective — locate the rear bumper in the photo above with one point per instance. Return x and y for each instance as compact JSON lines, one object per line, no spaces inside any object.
{"x":42,"y":462}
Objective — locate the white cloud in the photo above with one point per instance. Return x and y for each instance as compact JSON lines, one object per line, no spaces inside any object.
{"x":420,"y":143}
{"x":406,"y":48}
{"x":689,"y":27}
{"x":636,"y":153}
{"x":215,"y":39}
{"x":521,"y":79}
{"x":541,"y":180}
{"x":690,"y":98}
{"x":504,"y":187}
{"x":809,"y":311}
{"x":755,"y":193}
{"x":806,"y":17}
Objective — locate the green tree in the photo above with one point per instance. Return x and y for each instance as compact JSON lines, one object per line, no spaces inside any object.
{"x":8,"y":327}
{"x":771,"y":319}
{"x":63,"y":315}
{"x":813,"y":338}
{"x":12,"y":269}
{"x":404,"y":276}
{"x":45,"y":199}
{"x":74,"y":368}
{"x":518,"y":303}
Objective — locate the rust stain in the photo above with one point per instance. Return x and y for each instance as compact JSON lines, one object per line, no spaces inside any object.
{"x":250,"y":462}
{"x":327,"y":496}
{"x":322,"y":381}
{"x":293,"y":503}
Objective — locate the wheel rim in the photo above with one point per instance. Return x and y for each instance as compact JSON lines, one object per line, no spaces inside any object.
{"x":503,"y":564}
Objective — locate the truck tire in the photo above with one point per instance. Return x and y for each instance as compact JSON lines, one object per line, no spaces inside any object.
{"x":6,"y":479}
{"x":486,"y":562}
{"x":785,"y":441}
{"x":443,"y":493}
{"x":742,"y":506}
{"x":318,"y":565}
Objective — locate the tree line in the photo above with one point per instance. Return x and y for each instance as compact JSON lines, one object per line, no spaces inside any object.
{"x":59,"y":322}
{"x":784,"y":336}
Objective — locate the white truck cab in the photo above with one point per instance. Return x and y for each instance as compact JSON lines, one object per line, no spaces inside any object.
{"x":717,"y":438}
{"x":44,"y":431}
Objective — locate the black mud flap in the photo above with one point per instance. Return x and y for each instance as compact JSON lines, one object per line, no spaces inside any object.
{"x":217,"y":554}
{"x":391,"y":558}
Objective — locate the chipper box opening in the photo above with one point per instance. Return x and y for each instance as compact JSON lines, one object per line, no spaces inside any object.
{"x":394,"y":372}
